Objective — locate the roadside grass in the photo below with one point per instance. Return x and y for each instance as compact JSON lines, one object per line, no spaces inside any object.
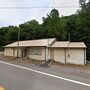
{"x":88,"y":64}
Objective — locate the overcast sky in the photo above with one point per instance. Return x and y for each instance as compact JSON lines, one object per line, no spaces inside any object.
{"x":18,"y":16}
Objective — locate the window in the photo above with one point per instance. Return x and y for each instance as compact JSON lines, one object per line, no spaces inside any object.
{"x":36,"y":51}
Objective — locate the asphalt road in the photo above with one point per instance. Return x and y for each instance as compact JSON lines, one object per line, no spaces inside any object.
{"x":19,"y":78}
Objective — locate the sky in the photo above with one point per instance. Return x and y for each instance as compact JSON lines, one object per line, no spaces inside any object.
{"x":13,"y":16}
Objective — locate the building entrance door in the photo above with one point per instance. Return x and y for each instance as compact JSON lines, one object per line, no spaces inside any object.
{"x":24,"y":52}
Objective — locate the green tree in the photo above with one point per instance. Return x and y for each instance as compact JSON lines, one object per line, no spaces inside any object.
{"x":82,"y":3}
{"x":29,"y":30}
{"x":53,"y":25}
{"x":12,"y":34}
{"x":72,"y":28}
{"x":3,"y":32}
{"x":84,"y":25}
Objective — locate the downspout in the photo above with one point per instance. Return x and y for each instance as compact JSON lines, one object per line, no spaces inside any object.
{"x":68,"y":49}
{"x":45,"y":54}
{"x":13,"y":52}
{"x":47,"y":50}
{"x":18,"y":43}
{"x":84,"y":56}
{"x":65,"y":56}
{"x":29,"y":52}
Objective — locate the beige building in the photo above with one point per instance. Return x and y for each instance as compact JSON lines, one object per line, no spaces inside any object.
{"x":73,"y":52}
{"x":44,"y":49}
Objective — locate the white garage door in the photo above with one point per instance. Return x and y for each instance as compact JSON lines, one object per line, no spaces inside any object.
{"x":59,"y":55}
{"x":75,"y":56}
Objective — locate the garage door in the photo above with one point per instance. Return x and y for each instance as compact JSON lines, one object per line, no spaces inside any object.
{"x":75,"y":56}
{"x":59,"y":55}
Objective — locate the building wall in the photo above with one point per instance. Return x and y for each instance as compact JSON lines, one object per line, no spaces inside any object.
{"x":72,"y":56}
{"x":8,"y":52}
{"x":42,"y":56}
{"x":75,"y":56}
{"x":59,"y":55}
{"x":15,"y":52}
{"x":12,"y":52}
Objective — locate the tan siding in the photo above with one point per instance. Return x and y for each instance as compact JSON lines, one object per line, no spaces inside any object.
{"x":15,"y":53}
{"x":38,"y":57}
{"x":59,"y":55}
{"x":20,"y":53}
{"x":75,"y":56}
{"x":8,"y":52}
{"x":11,"y":52}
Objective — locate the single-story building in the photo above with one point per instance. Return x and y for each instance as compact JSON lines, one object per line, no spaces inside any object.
{"x":44,"y":49}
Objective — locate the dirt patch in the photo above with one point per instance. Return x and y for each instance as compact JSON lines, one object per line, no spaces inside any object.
{"x":72,"y":65}
{"x":21,"y":60}
{"x":32,"y":61}
{"x":2,"y":57}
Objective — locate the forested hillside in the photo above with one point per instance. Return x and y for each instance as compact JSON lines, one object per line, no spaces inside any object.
{"x":77,"y":26}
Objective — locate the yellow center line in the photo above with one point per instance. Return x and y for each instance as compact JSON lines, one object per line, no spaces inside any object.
{"x":1,"y":88}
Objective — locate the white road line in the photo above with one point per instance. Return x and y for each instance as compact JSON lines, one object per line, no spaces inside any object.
{"x":47,"y":74}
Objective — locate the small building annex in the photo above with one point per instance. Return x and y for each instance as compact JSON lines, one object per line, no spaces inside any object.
{"x":44,"y":49}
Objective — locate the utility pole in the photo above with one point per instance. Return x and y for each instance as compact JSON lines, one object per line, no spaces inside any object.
{"x":69,"y":38}
{"x":68,"y":46}
{"x":53,"y":3}
{"x":18,"y":43}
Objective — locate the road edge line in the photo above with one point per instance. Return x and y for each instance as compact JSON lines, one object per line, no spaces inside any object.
{"x":47,"y":74}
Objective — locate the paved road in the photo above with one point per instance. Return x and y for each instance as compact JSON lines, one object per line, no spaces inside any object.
{"x":19,"y":78}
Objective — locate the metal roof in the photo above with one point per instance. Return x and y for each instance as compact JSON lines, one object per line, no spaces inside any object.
{"x":61,"y":44}
{"x":28,"y":43}
{"x":67,"y":44}
{"x":48,"y":42}
{"x":77,"y":45}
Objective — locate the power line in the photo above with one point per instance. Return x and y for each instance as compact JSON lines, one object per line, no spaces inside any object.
{"x":39,"y":7}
